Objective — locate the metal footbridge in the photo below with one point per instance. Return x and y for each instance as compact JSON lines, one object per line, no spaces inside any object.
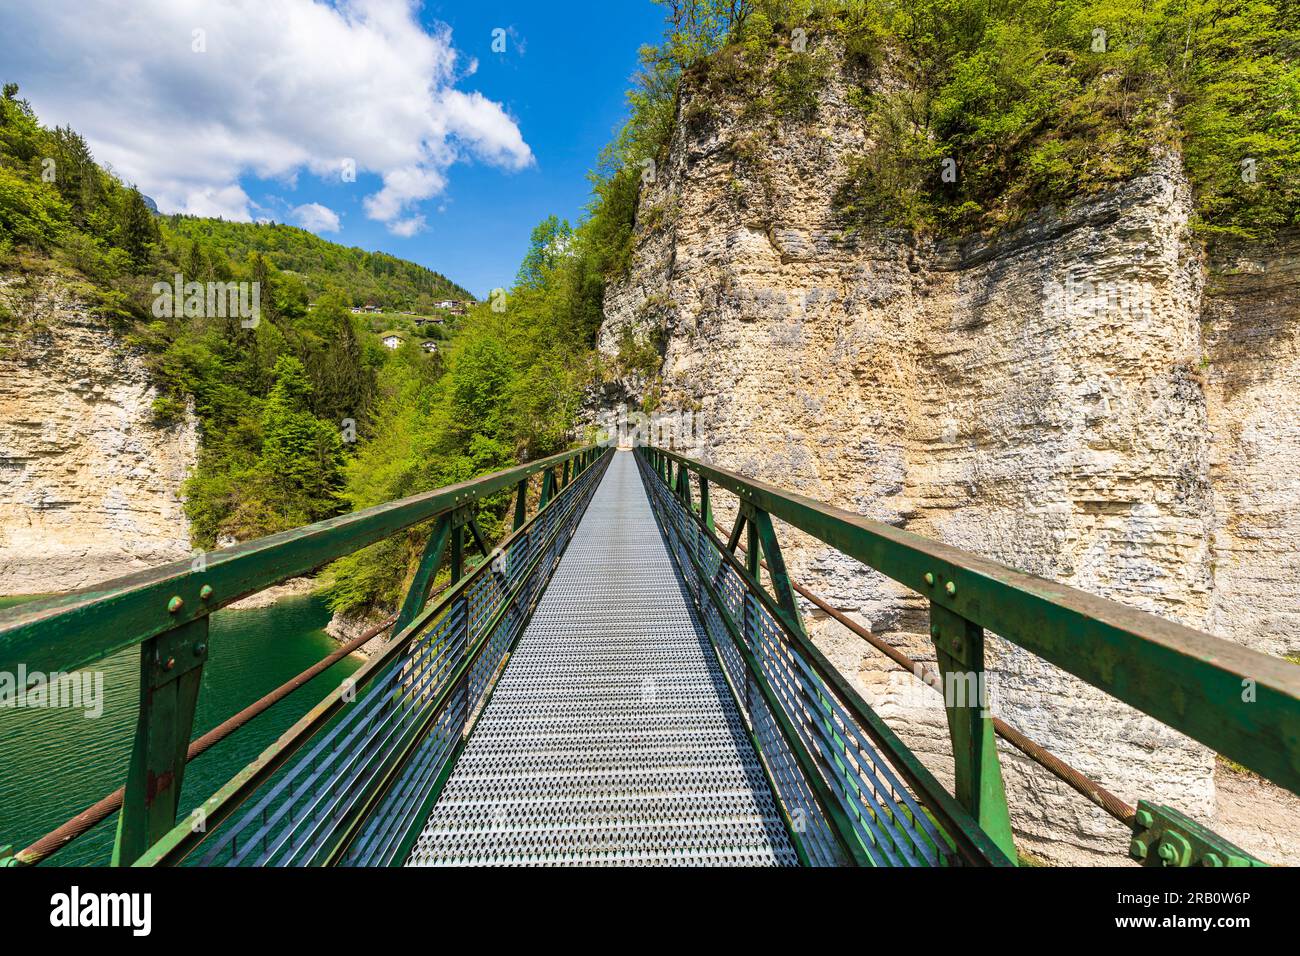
{"x":606,"y":679}
{"x":611,"y":735}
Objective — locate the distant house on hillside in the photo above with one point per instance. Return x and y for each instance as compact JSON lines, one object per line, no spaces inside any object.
{"x":453,"y":306}
{"x":392,"y":340}
{"x":429,"y":346}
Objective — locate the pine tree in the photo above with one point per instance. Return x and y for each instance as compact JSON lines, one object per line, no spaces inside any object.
{"x":301,"y":454}
{"x":139,"y":234}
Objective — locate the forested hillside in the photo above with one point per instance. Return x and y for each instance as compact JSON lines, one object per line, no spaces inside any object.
{"x":1025,"y":104}
{"x":284,"y":402}
{"x":974,"y":114}
{"x":373,"y":278}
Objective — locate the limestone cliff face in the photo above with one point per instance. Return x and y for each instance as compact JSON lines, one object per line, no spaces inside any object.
{"x":1251,"y":328}
{"x":1074,"y":399}
{"x":89,"y":485}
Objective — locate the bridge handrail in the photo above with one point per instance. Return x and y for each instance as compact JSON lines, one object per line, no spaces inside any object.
{"x":73,"y":630}
{"x":166,"y":612}
{"x":177,"y":844}
{"x":1241,"y":703}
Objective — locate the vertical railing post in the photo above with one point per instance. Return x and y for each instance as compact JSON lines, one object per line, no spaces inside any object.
{"x":171,"y":671}
{"x":706,"y":511}
{"x":548,"y":488}
{"x":418,"y":593}
{"x":959,"y":647}
{"x":521,"y":504}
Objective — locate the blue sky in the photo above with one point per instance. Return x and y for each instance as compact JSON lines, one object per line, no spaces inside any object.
{"x":564,"y":82}
{"x":254,"y":109}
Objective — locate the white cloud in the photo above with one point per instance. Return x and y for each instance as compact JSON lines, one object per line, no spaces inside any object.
{"x":226,"y":202}
{"x":284,"y":87}
{"x":402,"y":187}
{"x":317,"y":218}
{"x":406,"y":228}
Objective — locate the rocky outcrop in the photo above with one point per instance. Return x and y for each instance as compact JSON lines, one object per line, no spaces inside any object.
{"x":89,"y":484}
{"x":1071,"y":398}
{"x":345,"y":628}
{"x":294,"y":587}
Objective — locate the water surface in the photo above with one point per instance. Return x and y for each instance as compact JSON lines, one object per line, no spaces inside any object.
{"x":55,"y":763}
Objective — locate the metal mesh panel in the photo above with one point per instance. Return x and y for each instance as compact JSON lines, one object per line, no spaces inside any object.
{"x":611,"y":737}
{"x":884,"y":815}
{"x":357,"y":790}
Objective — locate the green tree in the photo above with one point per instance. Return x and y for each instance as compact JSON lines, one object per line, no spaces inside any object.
{"x":139,"y":234}
{"x":548,"y":242}
{"x":301,"y":455}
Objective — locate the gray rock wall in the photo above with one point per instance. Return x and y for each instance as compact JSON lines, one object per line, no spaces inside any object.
{"x":89,"y":486}
{"x":1069,"y":399}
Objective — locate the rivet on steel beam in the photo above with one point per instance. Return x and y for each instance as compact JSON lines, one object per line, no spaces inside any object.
{"x":205,"y":592}
{"x":951,"y":588}
{"x":170,"y":663}
{"x":1211,"y":859}
{"x":200,"y":649}
{"x":1144,"y":819}
{"x":175,"y":604}
{"x":1137,"y":849}
{"x":929,"y":578}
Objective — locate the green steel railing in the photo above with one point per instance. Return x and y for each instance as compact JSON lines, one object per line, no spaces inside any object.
{"x":165,"y":612}
{"x":1242,"y":704}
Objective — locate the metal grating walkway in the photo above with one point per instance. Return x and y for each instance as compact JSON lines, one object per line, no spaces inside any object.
{"x":612,"y":737}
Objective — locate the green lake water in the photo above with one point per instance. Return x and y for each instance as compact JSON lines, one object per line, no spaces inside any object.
{"x":56,"y":762}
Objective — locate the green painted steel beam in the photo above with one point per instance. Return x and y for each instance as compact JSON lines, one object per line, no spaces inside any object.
{"x":77,"y":629}
{"x":521,"y":504}
{"x":181,"y":840}
{"x":761,"y":522}
{"x":171,"y":672}
{"x":733,"y":539}
{"x":1239,"y":702}
{"x":706,"y":509}
{"x":418,"y":593}
{"x":959,"y":650}
{"x":480,"y":541}
{"x":1164,"y":837}
{"x":548,"y":489}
